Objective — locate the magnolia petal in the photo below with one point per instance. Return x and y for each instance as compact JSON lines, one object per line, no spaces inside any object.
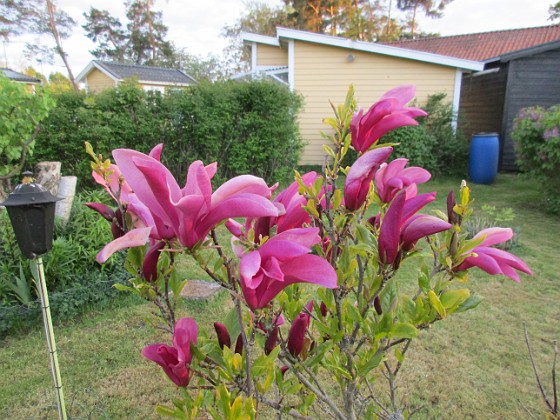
{"x":198,"y":182}
{"x":306,"y":237}
{"x":249,"y":266}
{"x":166,"y":357}
{"x":416,"y":175}
{"x":282,"y":250}
{"x":240,"y":205}
{"x":506,"y":258}
{"x":390,"y":231}
{"x":149,"y":267}
{"x":239,"y":185}
{"x":414,"y":204}
{"x":156,"y":152}
{"x":360,"y":176}
{"x":495,"y":235}
{"x":272,"y":269}
{"x":133,"y":238}
{"x":389,"y":123}
{"x":104,"y":210}
{"x":403,"y":93}
{"x":185,"y":332}
{"x":420,"y":226}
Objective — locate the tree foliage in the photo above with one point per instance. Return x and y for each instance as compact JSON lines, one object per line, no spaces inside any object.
{"x":140,"y":41}
{"x":41,"y":18}
{"x":21,"y":112}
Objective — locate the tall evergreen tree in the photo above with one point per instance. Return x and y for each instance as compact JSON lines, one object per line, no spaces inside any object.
{"x":431,"y":8}
{"x":142,"y":41}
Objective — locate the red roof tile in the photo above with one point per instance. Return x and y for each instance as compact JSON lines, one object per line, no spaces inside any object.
{"x":485,"y":45}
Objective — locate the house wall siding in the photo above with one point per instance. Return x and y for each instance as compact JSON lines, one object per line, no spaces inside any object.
{"x":268,"y":55}
{"x":482,"y":103}
{"x":532,"y":81}
{"x":323,"y":74}
{"x":97,"y":81}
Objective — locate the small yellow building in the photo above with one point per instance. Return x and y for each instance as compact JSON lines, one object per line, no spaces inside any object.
{"x":101,"y":75}
{"x":321,"y":67}
{"x":28,"y":81}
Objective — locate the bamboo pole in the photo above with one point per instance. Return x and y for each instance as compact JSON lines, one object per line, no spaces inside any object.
{"x":37,"y":265}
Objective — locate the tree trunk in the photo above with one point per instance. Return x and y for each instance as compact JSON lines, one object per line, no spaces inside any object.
{"x":66,"y":190}
{"x":48,"y":175}
{"x":52,"y":22}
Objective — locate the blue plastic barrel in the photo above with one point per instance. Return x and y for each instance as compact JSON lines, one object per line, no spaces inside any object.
{"x":483,"y":159}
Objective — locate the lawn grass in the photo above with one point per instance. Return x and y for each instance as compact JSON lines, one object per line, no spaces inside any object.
{"x":473,"y":365}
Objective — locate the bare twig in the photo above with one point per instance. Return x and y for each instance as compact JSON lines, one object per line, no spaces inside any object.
{"x":541,"y":388}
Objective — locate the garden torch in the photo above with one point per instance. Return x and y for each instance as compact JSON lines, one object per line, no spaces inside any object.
{"x":31,"y":209}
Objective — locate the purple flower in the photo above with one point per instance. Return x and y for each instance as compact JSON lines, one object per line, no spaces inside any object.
{"x":361,"y":174}
{"x":187,"y":213}
{"x":492,"y":260}
{"x":175,"y":360}
{"x":393,"y":177}
{"x":283,"y":260}
{"x":401,"y":227}
{"x":385,"y":115}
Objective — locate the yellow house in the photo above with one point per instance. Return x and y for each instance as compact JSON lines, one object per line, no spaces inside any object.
{"x":28,"y":81}
{"x":101,"y":75}
{"x":321,"y":67}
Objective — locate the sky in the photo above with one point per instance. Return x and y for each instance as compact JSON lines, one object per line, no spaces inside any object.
{"x":196,"y":25}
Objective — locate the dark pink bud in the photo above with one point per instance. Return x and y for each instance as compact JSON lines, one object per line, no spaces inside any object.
{"x":283,"y":370}
{"x":377,"y":305}
{"x":451,"y":215}
{"x":324,"y":310}
{"x":296,"y":336}
{"x":117,"y":225}
{"x":271,"y":341}
{"x":104,"y":210}
{"x":223,"y":335}
{"x":149,"y":268}
{"x":239,"y":344}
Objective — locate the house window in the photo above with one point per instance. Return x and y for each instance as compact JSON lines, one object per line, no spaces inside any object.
{"x":160,"y":89}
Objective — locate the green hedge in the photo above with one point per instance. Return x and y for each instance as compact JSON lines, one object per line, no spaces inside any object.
{"x":245,"y":127}
{"x":536,"y":134}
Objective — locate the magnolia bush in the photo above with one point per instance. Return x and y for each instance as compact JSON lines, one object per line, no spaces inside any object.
{"x":318,"y":318}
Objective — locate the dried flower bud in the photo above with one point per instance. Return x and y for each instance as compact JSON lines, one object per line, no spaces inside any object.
{"x":451,"y":215}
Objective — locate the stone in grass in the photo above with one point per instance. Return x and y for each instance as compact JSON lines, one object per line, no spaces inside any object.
{"x":199,"y":289}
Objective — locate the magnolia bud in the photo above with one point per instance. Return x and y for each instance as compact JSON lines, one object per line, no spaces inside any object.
{"x":271,"y":341}
{"x":324,"y":310}
{"x":239,"y":345}
{"x":451,"y":215}
{"x":149,"y":267}
{"x":296,"y":335}
{"x":223,"y":335}
{"x":377,"y":305}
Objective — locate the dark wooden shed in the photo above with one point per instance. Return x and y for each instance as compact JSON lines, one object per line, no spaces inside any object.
{"x":491,"y":99}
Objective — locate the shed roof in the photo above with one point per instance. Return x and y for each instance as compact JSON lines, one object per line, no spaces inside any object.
{"x":19,"y":77}
{"x":483,"y":46}
{"x":146,"y":74}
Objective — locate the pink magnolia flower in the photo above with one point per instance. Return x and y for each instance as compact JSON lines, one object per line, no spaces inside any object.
{"x":283,"y":260}
{"x":401,"y":227}
{"x":385,"y":115}
{"x":393,"y":177}
{"x":493,"y":260}
{"x":187,"y":213}
{"x":175,"y":360}
{"x":361,"y":174}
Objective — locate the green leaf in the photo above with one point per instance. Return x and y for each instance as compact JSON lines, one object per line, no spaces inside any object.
{"x":453,"y":298}
{"x":399,"y":356}
{"x":371,"y":363}
{"x":436,"y":303}
{"x":403,"y":330}
{"x":472,"y":302}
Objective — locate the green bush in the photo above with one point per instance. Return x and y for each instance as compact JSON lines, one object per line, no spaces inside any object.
{"x":536,"y":134}
{"x":73,"y":277}
{"x":246,"y":127}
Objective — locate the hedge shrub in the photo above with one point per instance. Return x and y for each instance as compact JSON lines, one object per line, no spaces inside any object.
{"x":246,"y":127}
{"x":536,"y":134}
